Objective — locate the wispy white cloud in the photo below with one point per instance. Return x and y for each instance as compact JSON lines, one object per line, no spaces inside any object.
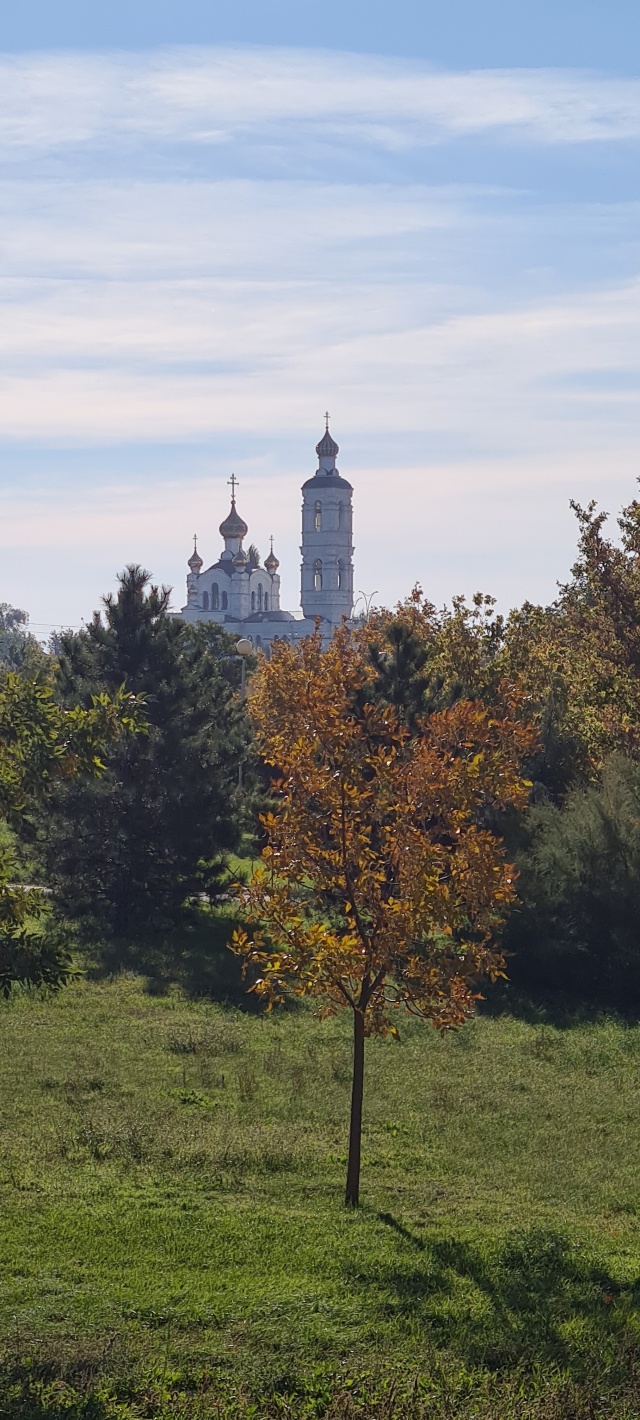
{"x":142,"y":229}
{"x":209,"y":95}
{"x":478,"y":348}
{"x":184,"y":360}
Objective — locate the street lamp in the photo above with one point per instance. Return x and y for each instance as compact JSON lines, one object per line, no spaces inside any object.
{"x":244,"y":648}
{"x":367,"y":598}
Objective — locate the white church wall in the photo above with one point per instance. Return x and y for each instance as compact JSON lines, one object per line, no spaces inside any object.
{"x":252,"y":593}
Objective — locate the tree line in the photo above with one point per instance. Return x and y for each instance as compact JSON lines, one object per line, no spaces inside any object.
{"x":127,"y":848}
{"x":438,"y":799}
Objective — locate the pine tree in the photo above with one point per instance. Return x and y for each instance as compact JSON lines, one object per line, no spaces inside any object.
{"x":124,"y":854}
{"x":404,"y":672}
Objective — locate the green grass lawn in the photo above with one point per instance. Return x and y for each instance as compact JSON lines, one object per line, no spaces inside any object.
{"x":173,"y":1240}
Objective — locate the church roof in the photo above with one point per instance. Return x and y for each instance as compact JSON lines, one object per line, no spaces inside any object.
{"x":271,"y":562}
{"x":269,"y":616}
{"x":226,"y":567}
{"x":327,"y":480}
{"x":195,"y":560}
{"x":234,"y":525}
{"x":327,"y":448}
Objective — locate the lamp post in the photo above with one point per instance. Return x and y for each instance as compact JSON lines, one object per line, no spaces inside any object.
{"x":367,"y":598}
{"x":244,"y":648}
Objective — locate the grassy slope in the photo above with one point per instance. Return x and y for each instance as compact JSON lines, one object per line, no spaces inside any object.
{"x":170,"y":1191}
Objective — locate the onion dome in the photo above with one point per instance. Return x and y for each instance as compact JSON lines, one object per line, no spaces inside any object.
{"x":195,"y":560}
{"x":271,"y":562}
{"x":234,"y":525}
{"x":240,"y":560}
{"x":327,"y":448}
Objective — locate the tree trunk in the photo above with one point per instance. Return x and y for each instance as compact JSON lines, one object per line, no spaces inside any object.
{"x":352,"y":1194}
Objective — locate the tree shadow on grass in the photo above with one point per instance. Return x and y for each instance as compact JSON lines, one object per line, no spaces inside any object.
{"x":402,"y":1232}
{"x":194,"y":955}
{"x":532,"y":1299}
{"x":531,"y":1311}
{"x":553,"y":1008}
{"x":202,"y":962}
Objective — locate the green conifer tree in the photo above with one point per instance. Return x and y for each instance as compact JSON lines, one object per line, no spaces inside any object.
{"x":126,"y":853}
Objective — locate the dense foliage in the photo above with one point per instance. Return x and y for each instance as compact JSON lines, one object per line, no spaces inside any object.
{"x":43,"y":746}
{"x":20,"y":650}
{"x":576,"y":667}
{"x":575,"y":929}
{"x":124,"y":854}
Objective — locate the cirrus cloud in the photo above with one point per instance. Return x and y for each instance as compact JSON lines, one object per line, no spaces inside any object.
{"x":205,"y":96}
{"x":199,"y":251}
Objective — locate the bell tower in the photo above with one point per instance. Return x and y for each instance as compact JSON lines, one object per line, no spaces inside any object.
{"x":327,"y":547}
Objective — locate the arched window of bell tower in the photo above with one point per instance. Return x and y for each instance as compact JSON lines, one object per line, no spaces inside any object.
{"x":341,"y":579}
{"x":215,"y":597}
{"x":317,"y":575}
{"x":317,"y":517}
{"x":205,"y":600}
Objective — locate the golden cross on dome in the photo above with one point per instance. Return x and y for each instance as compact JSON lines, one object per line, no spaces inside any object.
{"x":326,"y":421}
{"x":271,"y":541}
{"x":234,"y":484}
{"x":195,"y":542}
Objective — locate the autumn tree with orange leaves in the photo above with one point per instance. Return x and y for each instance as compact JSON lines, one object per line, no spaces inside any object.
{"x":379,"y":887}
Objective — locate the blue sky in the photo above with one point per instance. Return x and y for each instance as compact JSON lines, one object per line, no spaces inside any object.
{"x":461,"y":33}
{"x":212,"y":226}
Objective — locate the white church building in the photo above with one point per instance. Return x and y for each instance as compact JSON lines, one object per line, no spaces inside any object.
{"x":244,"y":597}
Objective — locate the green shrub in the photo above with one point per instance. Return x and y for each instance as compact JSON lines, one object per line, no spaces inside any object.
{"x":577,"y":929}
